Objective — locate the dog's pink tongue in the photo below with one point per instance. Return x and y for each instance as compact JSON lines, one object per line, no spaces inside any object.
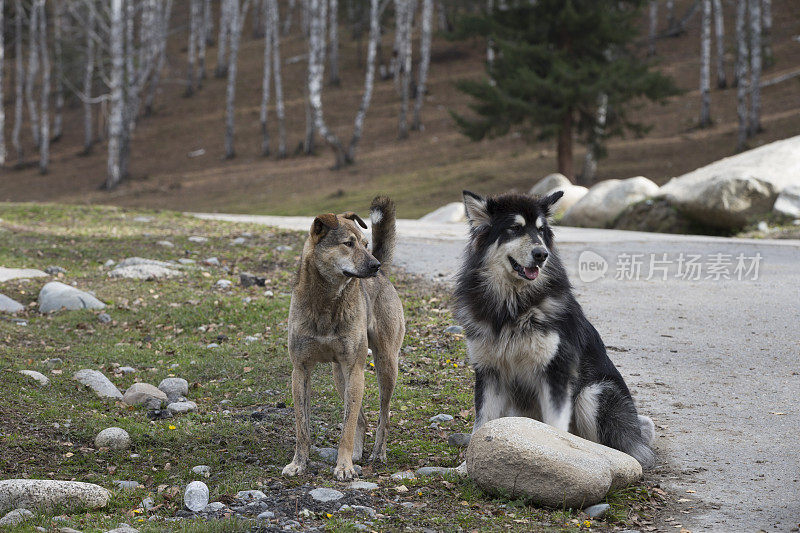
{"x":531,"y":273}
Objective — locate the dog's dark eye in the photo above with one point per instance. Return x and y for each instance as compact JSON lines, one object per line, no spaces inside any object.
{"x":515,"y":228}
{"x":349,"y":244}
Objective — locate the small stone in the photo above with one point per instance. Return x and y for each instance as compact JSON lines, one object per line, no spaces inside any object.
{"x":455,"y":330}
{"x":123,"y":528}
{"x":148,"y":504}
{"x":96,"y":381}
{"x":459,"y":440}
{"x":109,"y":263}
{"x":214,"y":507}
{"x":174,"y":388}
{"x":251,"y":495}
{"x":127,"y":485}
{"x":213,"y":261}
{"x":328,"y":455}
{"x":186,"y":261}
{"x":196,"y":496}
{"x":223,"y":284}
{"x":114,"y":438}
{"x":269,"y":294}
{"x":283,"y":248}
{"x":433,"y":470}
{"x":763,"y":227}
{"x":248,"y":280}
{"x":8,"y":305}
{"x":15,"y":517}
{"x":239,"y":240}
{"x":166,"y":244}
{"x":53,"y":362}
{"x":144,"y":394}
{"x":177,"y":408}
{"x":202,"y":470}
{"x":55,"y":296}
{"x":126,"y":370}
{"x":405,"y":474}
{"x":324,"y":495}
{"x":363,"y":485}
{"x":251,"y":338}
{"x":212,"y":345}
{"x":597,"y":511}
{"x":143,"y":218}
{"x":407,"y":505}
{"x":266,"y":515}
{"x":197,"y":239}
{"x":104,"y":318}
{"x":55,"y":270}
{"x":441,"y":418}
{"x":38,"y":376}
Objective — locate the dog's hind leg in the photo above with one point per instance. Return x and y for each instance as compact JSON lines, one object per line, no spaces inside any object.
{"x":361,"y":428}
{"x":386,"y":369}
{"x":301,"y":393}
{"x":353,"y":396}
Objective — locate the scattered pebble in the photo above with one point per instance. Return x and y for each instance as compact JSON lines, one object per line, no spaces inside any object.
{"x":269,"y":294}
{"x":363,"y":509}
{"x":55,"y":270}
{"x":143,"y":219}
{"x":328,"y":455}
{"x":266,"y":515}
{"x":126,"y":370}
{"x":283,"y":248}
{"x":213,"y":261}
{"x":597,"y":511}
{"x":114,"y":438}
{"x":38,"y":376}
{"x":405,"y":474}
{"x":109,"y":263}
{"x":196,"y":496}
{"x":223,"y":284}
{"x":96,"y":381}
{"x":213,"y":507}
{"x":455,"y":330}
{"x":324,"y":494}
{"x":177,"y":408}
{"x":198,"y":239}
{"x":202,"y":470}
{"x":104,"y":318}
{"x":127,"y":485}
{"x":238,"y":240}
{"x":441,"y":418}
{"x":433,"y":470}
{"x":53,"y":362}
{"x":363,"y":485}
{"x":251,"y":495}
{"x":251,"y":338}
{"x":186,"y":261}
{"x":763,"y":227}
{"x":248,"y":280}
{"x":212,"y":345}
{"x":166,"y":244}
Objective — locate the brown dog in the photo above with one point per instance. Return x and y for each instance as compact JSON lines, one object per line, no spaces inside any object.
{"x":343,"y":303}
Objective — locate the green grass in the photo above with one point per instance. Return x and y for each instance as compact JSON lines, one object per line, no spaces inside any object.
{"x":162,"y":328}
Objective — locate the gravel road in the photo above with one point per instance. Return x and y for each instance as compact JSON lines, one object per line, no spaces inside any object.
{"x":715,"y":362}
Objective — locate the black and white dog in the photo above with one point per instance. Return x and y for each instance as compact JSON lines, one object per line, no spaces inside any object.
{"x":533,"y":351}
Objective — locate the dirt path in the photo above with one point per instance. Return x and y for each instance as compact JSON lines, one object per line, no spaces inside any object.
{"x":714,"y":362}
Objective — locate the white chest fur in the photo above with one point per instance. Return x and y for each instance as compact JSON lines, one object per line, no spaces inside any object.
{"x":514,"y":352}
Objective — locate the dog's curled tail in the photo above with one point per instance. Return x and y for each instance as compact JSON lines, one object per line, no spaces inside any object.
{"x":381,"y":214}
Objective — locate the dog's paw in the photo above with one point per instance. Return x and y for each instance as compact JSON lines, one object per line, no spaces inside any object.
{"x":345,"y":473}
{"x":293,"y":469}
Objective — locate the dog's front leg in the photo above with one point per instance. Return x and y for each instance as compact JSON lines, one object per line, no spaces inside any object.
{"x":491,"y":400}
{"x":301,"y":393}
{"x":353,"y":395}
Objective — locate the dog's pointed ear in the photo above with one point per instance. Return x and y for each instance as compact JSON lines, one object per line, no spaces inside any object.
{"x":352,"y":216}
{"x":476,"y":208}
{"x":322,"y":224}
{"x":549,"y":201}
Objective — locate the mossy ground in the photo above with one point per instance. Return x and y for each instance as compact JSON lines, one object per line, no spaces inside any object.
{"x":162,"y":328}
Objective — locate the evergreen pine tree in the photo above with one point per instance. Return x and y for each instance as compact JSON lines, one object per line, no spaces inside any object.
{"x":553,"y":61}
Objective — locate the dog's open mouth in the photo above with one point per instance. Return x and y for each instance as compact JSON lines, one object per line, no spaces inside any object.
{"x":524,"y":272}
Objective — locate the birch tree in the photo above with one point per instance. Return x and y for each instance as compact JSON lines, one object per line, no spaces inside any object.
{"x":88,"y":79}
{"x":333,"y":48}
{"x":266,"y":79}
{"x":33,"y":70}
{"x":202,"y":43}
{"x":19,"y":71}
{"x":766,"y":38}
{"x":237,"y":14}
{"x":161,"y":32}
{"x":225,"y":7}
{"x":742,"y":61}
{"x":425,"y":60}
{"x":2,"y":84}
{"x":705,"y":66}
{"x":593,"y":145}
{"x":754,"y":122}
{"x":670,"y":8}
{"x":653,"y":27}
{"x":405,"y":66}
{"x":194,"y":32}
{"x":287,"y":21}
{"x":44,"y":92}
{"x":116,"y":118}
{"x":58,"y":37}
{"x":369,"y":79}
{"x":719,"y":33}
{"x":273,"y":20}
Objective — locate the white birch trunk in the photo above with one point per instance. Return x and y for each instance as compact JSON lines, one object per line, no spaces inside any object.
{"x":236,"y":19}
{"x":2,"y":84}
{"x":742,"y":62}
{"x":719,"y":33}
{"x":766,"y":24}
{"x":369,"y":78}
{"x":258,"y":18}
{"x":58,"y":27}
{"x":274,"y":22}
{"x":160,"y":50}
{"x":194,"y":30}
{"x":44,"y":94}
{"x":287,"y":21}
{"x":333,"y":53}
{"x":33,"y":70}
{"x":205,"y":19}
{"x":653,"y":28}
{"x":266,"y":78}
{"x":755,"y":67}
{"x":405,"y":85}
{"x":705,"y":66}
{"x":116,"y":118}
{"x":19,"y":76}
{"x":316,"y":71}
{"x":425,"y":60}
{"x":590,"y":159}
{"x":88,"y":79}
{"x":224,"y":36}
{"x":670,"y":6}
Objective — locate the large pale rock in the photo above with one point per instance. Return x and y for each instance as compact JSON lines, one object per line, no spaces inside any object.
{"x":144,"y":394}
{"x":38,"y":376}
{"x":7,"y":274}
{"x":15,"y":517}
{"x":452,"y":212}
{"x":196,"y":496}
{"x":788,"y":202}
{"x":48,"y":494}
{"x":146,"y":272}
{"x":100,"y":384}
{"x":56,"y":295}
{"x":524,"y":457}
{"x":8,"y":305}
{"x":606,"y":200}
{"x":550,"y":183}
{"x":572,"y":195}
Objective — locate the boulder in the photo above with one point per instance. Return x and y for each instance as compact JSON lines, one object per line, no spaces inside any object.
{"x":144,"y":394}
{"x":56,"y":295}
{"x":787,"y":204}
{"x":607,"y":200}
{"x":550,"y":183}
{"x":49,"y":494}
{"x":452,"y":212}
{"x":523,"y":457}
{"x":196,"y":496}
{"x":15,"y":517}
{"x":572,"y":195}
{"x":654,"y":215}
{"x":37,"y":376}
{"x":727,"y":201}
{"x":96,"y":381}
{"x":8,"y":305}
{"x":7,"y":274}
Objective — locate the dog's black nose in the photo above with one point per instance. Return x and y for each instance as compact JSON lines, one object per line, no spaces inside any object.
{"x":374,"y":265}
{"x":539,"y":254}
